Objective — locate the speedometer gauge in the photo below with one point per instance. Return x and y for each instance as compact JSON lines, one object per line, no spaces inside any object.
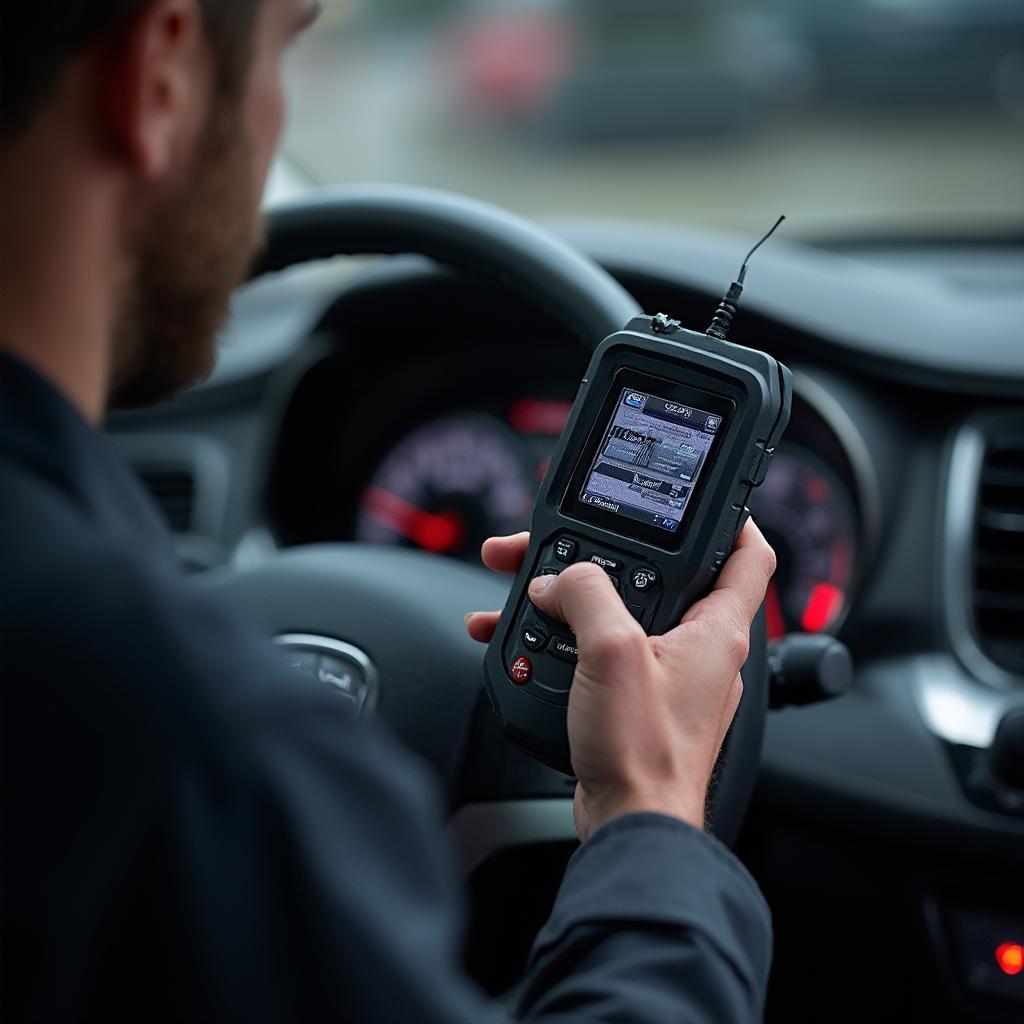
{"x":448,"y":486}
{"x":806,"y":513}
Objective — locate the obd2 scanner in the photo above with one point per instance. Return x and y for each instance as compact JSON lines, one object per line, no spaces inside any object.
{"x":669,"y":432}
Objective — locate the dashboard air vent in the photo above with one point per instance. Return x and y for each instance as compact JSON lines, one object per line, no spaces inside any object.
{"x":173,"y":490}
{"x":998,"y":569}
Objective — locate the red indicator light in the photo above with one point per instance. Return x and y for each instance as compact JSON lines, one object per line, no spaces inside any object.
{"x":1010,"y":957}
{"x":822,"y":607}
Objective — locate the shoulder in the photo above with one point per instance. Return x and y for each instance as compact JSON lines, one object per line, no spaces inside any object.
{"x":90,"y":627}
{"x":105,"y":649}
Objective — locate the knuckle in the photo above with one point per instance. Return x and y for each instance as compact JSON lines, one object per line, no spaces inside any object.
{"x":699,"y":631}
{"x":736,"y":641}
{"x":617,"y":642}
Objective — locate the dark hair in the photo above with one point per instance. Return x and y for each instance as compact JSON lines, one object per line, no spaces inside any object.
{"x":37,"y":39}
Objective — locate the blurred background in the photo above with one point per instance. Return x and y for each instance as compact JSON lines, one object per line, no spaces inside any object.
{"x":858,"y":118}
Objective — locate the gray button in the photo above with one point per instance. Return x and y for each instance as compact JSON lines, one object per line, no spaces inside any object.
{"x":564,"y":649}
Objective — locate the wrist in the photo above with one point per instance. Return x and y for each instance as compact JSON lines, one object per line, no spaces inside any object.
{"x":687,"y":807}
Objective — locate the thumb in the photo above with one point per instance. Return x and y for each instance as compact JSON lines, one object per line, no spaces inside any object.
{"x":584,"y":597}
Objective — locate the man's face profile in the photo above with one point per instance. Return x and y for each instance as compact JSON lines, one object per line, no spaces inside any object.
{"x":196,"y":244}
{"x":189,"y":255}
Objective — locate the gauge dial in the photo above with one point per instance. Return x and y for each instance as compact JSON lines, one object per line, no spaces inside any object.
{"x":448,"y":486}
{"x":807,"y":515}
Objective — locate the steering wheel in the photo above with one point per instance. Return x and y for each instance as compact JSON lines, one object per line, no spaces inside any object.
{"x":395,"y":615}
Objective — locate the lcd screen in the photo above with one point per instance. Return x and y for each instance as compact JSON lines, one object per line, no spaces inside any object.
{"x":650,"y":459}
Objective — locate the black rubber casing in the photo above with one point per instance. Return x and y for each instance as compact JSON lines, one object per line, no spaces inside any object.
{"x":759,"y":391}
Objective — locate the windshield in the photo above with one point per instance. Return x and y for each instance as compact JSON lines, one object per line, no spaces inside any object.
{"x":855,"y":118}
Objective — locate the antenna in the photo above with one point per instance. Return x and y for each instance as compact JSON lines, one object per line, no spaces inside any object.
{"x":722,"y":320}
{"x":771,"y":231}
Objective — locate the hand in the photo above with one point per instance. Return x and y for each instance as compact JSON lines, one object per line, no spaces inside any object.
{"x":647,"y":715}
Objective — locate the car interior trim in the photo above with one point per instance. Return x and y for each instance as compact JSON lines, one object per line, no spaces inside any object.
{"x":966,"y":455}
{"x":480,"y":830}
{"x":952,"y":704}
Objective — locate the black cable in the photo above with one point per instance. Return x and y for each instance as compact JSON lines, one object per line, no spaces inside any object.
{"x":722,"y":320}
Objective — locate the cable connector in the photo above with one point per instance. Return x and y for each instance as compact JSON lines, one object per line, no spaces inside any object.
{"x":661,"y":323}
{"x":722,"y":320}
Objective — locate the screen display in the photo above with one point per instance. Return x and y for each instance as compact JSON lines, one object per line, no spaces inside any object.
{"x":650,"y":459}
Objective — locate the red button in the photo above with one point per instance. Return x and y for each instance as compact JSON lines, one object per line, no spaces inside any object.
{"x":522,"y":670}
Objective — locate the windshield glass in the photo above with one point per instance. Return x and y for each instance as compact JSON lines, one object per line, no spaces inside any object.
{"x":861,"y":117}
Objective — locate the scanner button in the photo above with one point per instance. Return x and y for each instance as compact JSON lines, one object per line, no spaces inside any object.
{"x":548,"y":570}
{"x":534,"y":638}
{"x":644,"y":579}
{"x":521,"y":670}
{"x":562,"y":648}
{"x":565,"y":549}
{"x":760,"y":460}
{"x":608,"y":564}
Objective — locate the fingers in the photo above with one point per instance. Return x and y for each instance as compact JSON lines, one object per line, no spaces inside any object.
{"x":502,"y":554}
{"x":741,"y":585}
{"x":584,"y":597}
{"x":505,"y":554}
{"x":720,"y":622}
{"x":481,"y":625}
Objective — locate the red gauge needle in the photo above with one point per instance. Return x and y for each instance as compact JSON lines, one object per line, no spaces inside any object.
{"x":822,"y":607}
{"x":442,"y":533}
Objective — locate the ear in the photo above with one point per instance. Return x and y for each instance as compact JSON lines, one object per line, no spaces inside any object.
{"x":154,"y":87}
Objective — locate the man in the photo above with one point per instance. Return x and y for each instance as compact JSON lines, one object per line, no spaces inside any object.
{"x":188,"y":832}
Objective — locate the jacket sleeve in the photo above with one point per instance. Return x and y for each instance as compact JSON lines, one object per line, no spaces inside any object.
{"x":655,"y":921}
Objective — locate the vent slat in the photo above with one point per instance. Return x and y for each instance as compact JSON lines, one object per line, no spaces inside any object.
{"x":995,"y":558}
{"x":999,"y":551}
{"x":1002,"y":519}
{"x":173,"y":490}
{"x":999,"y":600}
{"x":1003,"y":476}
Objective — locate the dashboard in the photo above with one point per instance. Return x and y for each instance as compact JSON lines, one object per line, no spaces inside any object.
{"x":396,"y":403}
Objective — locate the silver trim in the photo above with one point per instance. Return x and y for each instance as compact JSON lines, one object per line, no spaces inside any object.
{"x":962,"y":480}
{"x":952,"y":704}
{"x":839,"y":421}
{"x":481,"y":830}
{"x":340,"y":649}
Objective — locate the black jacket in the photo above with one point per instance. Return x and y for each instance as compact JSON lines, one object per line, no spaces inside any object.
{"x":189,"y":832}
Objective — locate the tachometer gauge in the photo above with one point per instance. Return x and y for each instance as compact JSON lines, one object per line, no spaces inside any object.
{"x":807,"y":515}
{"x":448,"y":486}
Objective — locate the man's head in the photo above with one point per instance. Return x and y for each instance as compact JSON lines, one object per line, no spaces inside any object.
{"x":181,"y":103}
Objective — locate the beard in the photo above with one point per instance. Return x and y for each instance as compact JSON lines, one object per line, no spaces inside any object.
{"x":192,"y":250}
